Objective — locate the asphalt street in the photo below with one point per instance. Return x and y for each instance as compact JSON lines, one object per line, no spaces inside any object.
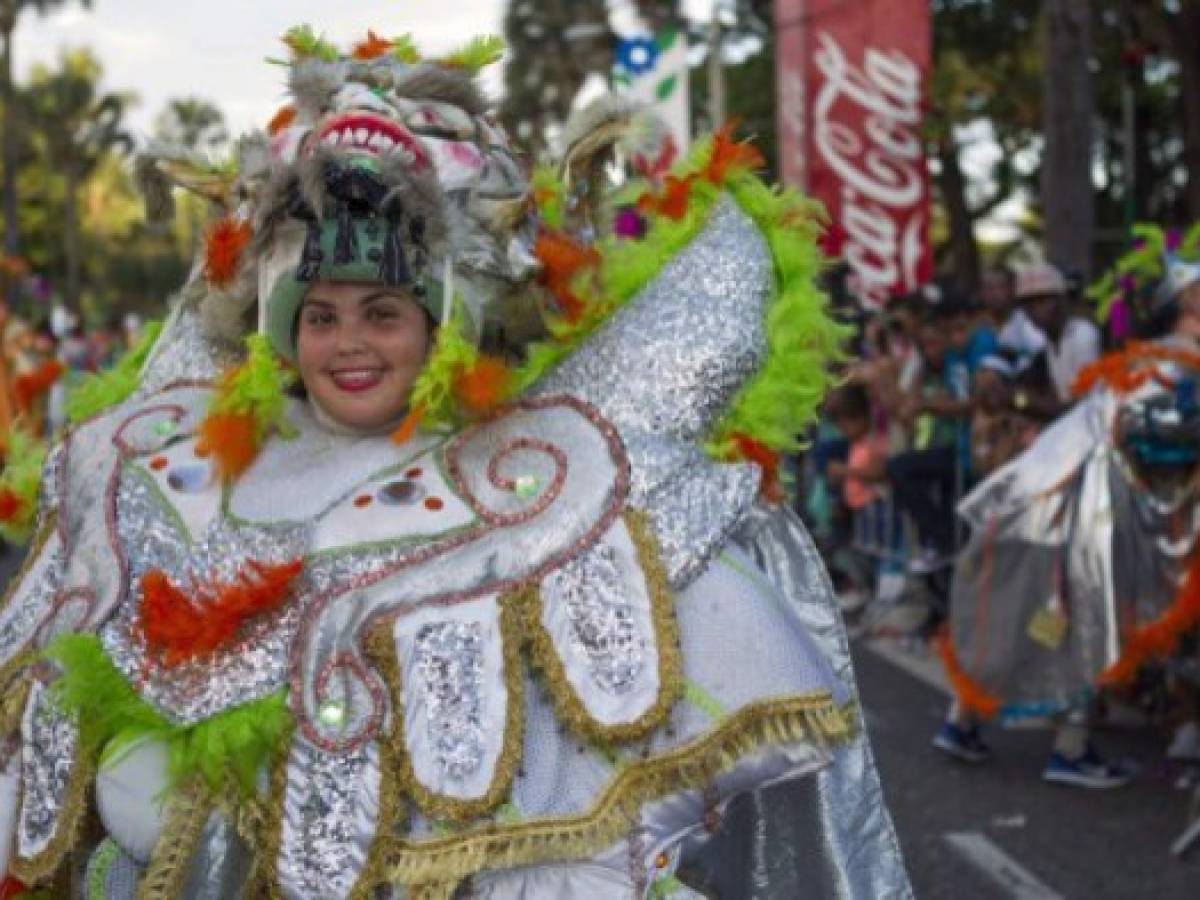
{"x":996,"y":830}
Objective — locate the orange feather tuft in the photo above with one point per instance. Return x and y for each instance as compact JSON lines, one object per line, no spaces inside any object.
{"x":227,"y":240}
{"x":409,"y":426}
{"x":672,"y":202}
{"x":372,"y":47}
{"x":31,"y":385}
{"x":231,"y":439}
{"x":10,"y":505}
{"x":284,"y":117}
{"x":562,"y":260}
{"x":483,"y":386}
{"x":767,"y":460}
{"x":181,"y":628}
{"x":730,"y":154}
{"x":973,"y":696}
{"x":1160,"y":637}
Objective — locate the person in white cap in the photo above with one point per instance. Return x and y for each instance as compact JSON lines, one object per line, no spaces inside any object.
{"x":1072,"y":341}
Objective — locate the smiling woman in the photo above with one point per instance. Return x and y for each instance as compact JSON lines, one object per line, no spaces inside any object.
{"x":359,"y":350}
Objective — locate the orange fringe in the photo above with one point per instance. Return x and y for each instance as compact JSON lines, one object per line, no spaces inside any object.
{"x":30,"y":386}
{"x":227,"y":240}
{"x":1121,"y":370}
{"x":284,"y":117}
{"x":1160,"y":637}
{"x":766,"y":459}
{"x":232,"y":440}
{"x":181,"y":628}
{"x":372,"y":47}
{"x":562,"y":260}
{"x":409,"y":426}
{"x":483,"y":386}
{"x":730,"y":154}
{"x":10,"y":505}
{"x":971,"y":694}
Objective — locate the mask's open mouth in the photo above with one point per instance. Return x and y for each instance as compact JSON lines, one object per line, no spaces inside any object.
{"x":363,"y":132}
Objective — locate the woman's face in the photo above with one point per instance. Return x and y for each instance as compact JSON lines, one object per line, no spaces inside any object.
{"x":359,"y":349}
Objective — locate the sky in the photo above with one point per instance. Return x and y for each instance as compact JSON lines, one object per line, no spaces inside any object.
{"x":215,"y":49}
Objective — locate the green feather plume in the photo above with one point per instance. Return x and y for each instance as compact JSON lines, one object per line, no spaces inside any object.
{"x":405,"y":50}
{"x":257,"y":388}
{"x":226,"y":750}
{"x":452,"y":353}
{"x":23,"y":461}
{"x":105,"y":390}
{"x":477,"y":53}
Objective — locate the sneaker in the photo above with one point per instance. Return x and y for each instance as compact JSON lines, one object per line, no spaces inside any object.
{"x":1088,"y":771}
{"x":964,"y":744}
{"x":928,"y":561}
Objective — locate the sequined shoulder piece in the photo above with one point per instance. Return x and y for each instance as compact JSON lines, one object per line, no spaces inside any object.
{"x":666,"y":367}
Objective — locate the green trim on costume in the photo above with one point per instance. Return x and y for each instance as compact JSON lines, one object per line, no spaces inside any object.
{"x":803,"y":339}
{"x":101,"y":864}
{"x":694,"y":694}
{"x":134,"y":470}
{"x":452,"y":353}
{"x":104,"y":390}
{"x":226,"y":750}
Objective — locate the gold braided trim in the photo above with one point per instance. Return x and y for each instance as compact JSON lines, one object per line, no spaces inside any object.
{"x":36,"y":546}
{"x":439,"y":807}
{"x":571,"y":709}
{"x":14,"y":692}
{"x":264,"y":876}
{"x":191,"y":806}
{"x":786,"y":720}
{"x":70,"y":819}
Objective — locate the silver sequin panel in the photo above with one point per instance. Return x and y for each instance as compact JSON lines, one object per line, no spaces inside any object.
{"x":330,"y":813}
{"x":450,"y":663}
{"x":184,"y":353}
{"x":603,"y":629}
{"x":667,"y":367}
{"x":49,"y":738}
{"x":28,"y":607}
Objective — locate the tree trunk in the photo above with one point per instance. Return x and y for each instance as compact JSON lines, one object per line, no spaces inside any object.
{"x":72,"y":245}
{"x":8,"y":151}
{"x":1067,"y":192}
{"x":1187,"y":42}
{"x":964,"y":251}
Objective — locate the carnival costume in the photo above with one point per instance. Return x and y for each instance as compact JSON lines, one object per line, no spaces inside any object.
{"x":539,"y":639}
{"x":1082,"y":560}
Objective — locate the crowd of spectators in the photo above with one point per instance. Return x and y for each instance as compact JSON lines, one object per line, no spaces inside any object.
{"x":943,"y":389}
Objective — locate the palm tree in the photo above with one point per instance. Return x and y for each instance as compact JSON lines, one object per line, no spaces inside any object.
{"x":10,"y":12}
{"x":79,"y":126}
{"x":192,"y":123}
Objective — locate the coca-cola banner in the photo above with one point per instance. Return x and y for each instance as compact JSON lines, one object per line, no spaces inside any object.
{"x":851,"y":97}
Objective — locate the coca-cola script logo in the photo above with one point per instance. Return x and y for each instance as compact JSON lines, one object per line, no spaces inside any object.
{"x":865,"y":124}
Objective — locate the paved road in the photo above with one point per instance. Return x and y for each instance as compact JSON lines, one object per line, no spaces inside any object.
{"x":1012,"y":835}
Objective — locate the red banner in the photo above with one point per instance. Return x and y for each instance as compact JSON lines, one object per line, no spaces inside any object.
{"x":851,"y":88}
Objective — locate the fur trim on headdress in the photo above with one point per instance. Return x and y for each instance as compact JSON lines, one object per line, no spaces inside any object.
{"x":313,"y":82}
{"x":430,"y":81}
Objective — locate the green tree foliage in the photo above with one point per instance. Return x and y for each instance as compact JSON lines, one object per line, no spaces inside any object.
{"x":10,"y":141}
{"x":79,"y":126}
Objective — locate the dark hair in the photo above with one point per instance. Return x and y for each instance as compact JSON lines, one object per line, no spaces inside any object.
{"x":851,"y":401}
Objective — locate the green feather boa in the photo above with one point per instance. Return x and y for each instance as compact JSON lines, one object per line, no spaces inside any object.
{"x":227,"y":750}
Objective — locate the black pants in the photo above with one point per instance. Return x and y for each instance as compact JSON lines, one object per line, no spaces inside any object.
{"x":924,"y":484}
